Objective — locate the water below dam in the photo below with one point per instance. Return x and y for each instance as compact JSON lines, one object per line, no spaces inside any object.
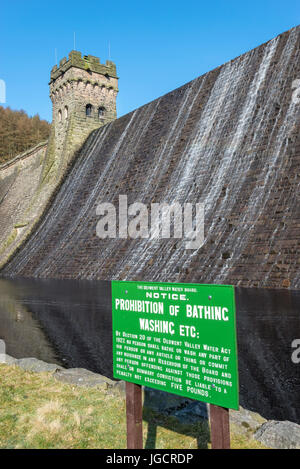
{"x":68,"y":322}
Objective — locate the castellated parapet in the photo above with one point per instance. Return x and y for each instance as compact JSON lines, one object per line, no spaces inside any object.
{"x":83,"y":93}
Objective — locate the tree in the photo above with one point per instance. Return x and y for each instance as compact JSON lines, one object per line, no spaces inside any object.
{"x":19,"y":132}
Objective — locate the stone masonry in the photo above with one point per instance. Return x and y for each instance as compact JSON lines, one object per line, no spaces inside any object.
{"x":83,"y":93}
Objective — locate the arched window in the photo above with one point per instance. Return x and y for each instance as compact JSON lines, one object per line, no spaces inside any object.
{"x":66,"y":112}
{"x":101,"y":112}
{"x":59,"y":116}
{"x":88,"y":109}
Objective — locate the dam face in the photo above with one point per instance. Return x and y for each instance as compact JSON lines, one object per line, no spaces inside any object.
{"x":229,"y":140}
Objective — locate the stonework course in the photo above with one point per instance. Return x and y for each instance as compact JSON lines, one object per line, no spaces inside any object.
{"x":19,"y":181}
{"x":83,"y":94}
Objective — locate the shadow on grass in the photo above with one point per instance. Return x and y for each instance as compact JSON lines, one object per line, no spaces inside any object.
{"x":173,"y":413}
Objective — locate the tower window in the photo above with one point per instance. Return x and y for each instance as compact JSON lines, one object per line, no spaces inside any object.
{"x":66,"y":112}
{"x":88,"y":110}
{"x":101,"y":112}
{"x":59,"y":116}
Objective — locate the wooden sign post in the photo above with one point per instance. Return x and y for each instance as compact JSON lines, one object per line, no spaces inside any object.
{"x":219,"y":421}
{"x":219,"y":427}
{"x":134,"y":408}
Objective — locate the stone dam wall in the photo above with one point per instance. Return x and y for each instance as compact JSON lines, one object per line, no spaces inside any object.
{"x":19,"y":181}
{"x":229,"y":139}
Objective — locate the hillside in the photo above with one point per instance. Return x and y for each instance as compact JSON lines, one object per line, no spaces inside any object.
{"x":19,"y":132}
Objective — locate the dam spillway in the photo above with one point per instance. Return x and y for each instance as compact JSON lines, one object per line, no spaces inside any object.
{"x":229,"y":140}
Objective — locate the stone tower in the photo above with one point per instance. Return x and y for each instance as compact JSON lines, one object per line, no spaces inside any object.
{"x":83,"y":93}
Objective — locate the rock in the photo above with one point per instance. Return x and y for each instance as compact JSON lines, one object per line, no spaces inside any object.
{"x":279,"y":435}
{"x":119,"y":386}
{"x":82,"y":377}
{"x":33,"y":364}
{"x":161,"y":401}
{"x":7,"y":359}
{"x":248,"y":422}
{"x":192,"y":412}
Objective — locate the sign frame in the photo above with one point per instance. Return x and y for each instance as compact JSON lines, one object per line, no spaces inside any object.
{"x":219,"y":413}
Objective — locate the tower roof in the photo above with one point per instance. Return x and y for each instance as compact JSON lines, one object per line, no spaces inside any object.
{"x":87,"y":62}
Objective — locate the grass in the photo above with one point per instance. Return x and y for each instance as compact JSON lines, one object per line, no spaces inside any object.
{"x":36,"y":411}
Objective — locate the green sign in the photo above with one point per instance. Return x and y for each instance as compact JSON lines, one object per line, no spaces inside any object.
{"x":177,"y":337}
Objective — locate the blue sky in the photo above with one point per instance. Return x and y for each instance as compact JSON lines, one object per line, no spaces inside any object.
{"x":156,"y":45}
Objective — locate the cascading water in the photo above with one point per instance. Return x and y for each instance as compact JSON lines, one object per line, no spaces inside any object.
{"x":230,"y":140}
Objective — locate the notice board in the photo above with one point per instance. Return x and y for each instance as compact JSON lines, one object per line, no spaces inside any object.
{"x":177,"y":337}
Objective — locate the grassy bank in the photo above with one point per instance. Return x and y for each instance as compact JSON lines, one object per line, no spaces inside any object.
{"x":36,"y":411}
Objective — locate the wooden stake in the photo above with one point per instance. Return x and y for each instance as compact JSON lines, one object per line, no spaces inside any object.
{"x":219,"y":427}
{"x":134,"y":416}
